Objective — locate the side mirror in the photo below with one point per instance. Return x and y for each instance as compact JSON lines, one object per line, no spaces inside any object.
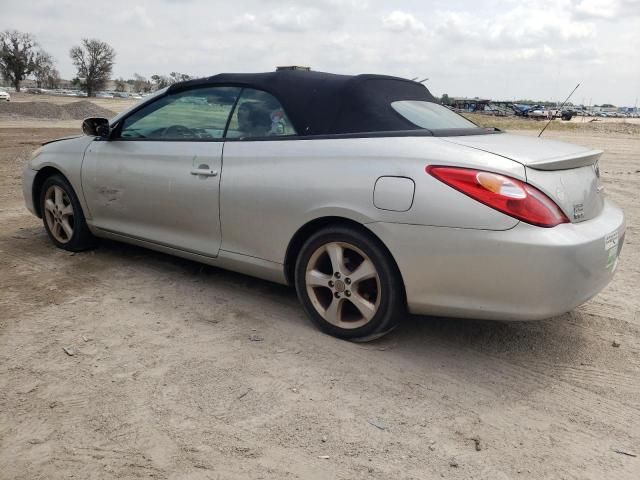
{"x":96,"y":127}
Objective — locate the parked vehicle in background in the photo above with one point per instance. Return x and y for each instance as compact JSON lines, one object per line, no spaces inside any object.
{"x":363,"y":192}
{"x":567,"y":114}
{"x":4,"y":96}
{"x":539,"y":112}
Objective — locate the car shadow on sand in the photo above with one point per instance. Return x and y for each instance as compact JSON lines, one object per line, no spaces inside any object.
{"x":558,"y":338}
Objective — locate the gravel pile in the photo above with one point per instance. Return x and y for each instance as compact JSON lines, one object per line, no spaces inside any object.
{"x":84,"y":109}
{"x":71,"y":111}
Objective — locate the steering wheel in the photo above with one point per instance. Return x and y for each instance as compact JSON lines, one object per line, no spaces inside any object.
{"x":177,"y":131}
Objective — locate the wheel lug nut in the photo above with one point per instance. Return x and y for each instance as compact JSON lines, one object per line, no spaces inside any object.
{"x":347,"y":293}
{"x":331,"y":283}
{"x":337,"y":294}
{"x":337,"y":274}
{"x":347,"y":281}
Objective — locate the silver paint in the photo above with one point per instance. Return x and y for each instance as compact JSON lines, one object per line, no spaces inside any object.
{"x":247,"y":199}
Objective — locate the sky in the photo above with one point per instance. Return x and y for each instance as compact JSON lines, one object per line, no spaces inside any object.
{"x":509,"y":49}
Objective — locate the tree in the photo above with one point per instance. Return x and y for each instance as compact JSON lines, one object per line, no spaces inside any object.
{"x":445,"y":99}
{"x":42,"y":67}
{"x":94,"y":61}
{"x":16,"y":56}
{"x":159,"y":81}
{"x":140,"y":84}
{"x":176,"y":77}
{"x":53,"y":79}
{"x":121,"y":85}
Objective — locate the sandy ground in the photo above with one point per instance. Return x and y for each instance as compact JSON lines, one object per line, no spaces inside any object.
{"x":186,"y":371}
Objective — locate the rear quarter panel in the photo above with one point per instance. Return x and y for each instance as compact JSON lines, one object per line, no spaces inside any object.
{"x":269,"y":189}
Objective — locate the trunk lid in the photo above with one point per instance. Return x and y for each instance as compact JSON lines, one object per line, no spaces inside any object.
{"x":567,"y":173}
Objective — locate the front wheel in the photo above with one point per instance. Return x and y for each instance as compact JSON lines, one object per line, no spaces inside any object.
{"x":63,"y":217}
{"x":349,"y":285}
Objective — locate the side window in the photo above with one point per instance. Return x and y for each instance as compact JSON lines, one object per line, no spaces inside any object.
{"x":258,"y":114}
{"x":198,"y":114}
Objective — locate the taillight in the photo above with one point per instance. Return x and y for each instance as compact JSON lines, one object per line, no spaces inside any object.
{"x":505,"y":194}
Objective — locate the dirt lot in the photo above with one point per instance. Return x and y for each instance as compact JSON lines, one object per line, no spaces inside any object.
{"x":186,"y":371}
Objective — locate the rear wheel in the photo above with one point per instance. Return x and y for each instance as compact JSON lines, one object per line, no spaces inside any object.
{"x":62,"y":216}
{"x":348,"y":285}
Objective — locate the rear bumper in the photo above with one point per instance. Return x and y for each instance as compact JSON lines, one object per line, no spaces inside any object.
{"x":525,"y":273}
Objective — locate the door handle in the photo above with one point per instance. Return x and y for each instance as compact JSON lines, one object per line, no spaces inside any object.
{"x":205,"y":172}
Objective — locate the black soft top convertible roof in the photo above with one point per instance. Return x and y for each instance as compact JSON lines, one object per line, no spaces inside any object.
{"x":320,"y":103}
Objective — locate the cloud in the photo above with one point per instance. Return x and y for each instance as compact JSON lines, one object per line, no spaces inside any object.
{"x":597,"y":8}
{"x":399,"y":21}
{"x":607,"y":9}
{"x":523,"y":26}
{"x":292,"y":19}
{"x":135,"y":16}
{"x":247,"y":22}
{"x":279,"y":20}
{"x":496,"y":48}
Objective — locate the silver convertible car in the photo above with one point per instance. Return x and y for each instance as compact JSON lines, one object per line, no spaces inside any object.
{"x":362,"y":191}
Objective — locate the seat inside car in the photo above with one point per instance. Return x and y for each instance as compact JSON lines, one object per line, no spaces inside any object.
{"x":253,"y":119}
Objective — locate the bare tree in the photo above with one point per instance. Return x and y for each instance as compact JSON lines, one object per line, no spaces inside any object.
{"x":121,"y":85}
{"x":160,"y":81}
{"x":42,"y":67}
{"x":141,"y":84}
{"x":16,"y":56}
{"x":179,"y":77}
{"x":94,"y":61}
{"x":53,"y":79}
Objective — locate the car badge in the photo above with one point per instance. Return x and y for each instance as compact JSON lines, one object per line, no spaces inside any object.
{"x":578,"y":211}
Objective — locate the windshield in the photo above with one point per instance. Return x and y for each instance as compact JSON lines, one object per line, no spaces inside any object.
{"x":430,"y":116}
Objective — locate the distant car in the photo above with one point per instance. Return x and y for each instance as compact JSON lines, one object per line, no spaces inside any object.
{"x":539,"y":113}
{"x":104,"y":95}
{"x":567,"y":114}
{"x":5,"y":96}
{"x":362,"y":191}
{"x":520,"y":110}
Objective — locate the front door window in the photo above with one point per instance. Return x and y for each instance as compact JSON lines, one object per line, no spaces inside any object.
{"x":197,"y":114}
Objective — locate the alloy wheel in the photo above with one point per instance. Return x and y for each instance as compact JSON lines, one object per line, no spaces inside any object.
{"x":343,"y":285}
{"x":58,"y":213}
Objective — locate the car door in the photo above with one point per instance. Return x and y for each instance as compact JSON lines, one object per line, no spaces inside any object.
{"x":158,"y":178}
{"x":262,"y":161}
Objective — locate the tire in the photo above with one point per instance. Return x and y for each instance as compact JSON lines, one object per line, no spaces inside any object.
{"x":358,"y":309}
{"x":63,"y":217}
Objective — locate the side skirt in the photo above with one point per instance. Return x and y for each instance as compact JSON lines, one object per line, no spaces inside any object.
{"x":236,"y":262}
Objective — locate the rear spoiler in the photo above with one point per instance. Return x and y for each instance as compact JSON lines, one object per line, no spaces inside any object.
{"x":567,"y":161}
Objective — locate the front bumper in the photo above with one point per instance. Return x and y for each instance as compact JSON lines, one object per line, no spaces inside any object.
{"x":28,"y":176}
{"x":525,"y":273}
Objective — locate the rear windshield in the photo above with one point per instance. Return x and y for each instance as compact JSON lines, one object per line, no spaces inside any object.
{"x":430,"y":116}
